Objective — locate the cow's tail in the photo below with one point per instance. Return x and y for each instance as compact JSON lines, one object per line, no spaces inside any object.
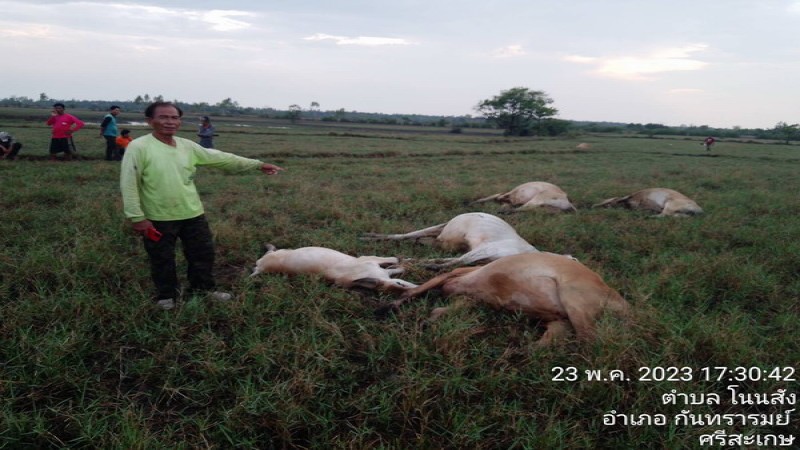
{"x":614,"y":201}
{"x":487,"y":199}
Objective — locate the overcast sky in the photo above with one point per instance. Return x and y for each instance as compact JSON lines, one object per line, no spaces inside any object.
{"x":721,"y":63}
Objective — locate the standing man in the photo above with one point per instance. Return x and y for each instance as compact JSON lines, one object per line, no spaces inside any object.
{"x":708,"y":143}
{"x":160,"y":199}
{"x":108,"y":129}
{"x":64,"y":125}
{"x":206,"y":133}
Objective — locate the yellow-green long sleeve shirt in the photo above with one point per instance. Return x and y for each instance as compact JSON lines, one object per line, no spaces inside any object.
{"x":157,"y":180}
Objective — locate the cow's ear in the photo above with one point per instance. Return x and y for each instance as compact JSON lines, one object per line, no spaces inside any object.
{"x":269,"y":248}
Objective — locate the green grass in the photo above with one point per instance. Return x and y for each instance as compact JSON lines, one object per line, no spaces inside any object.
{"x":86,"y":362}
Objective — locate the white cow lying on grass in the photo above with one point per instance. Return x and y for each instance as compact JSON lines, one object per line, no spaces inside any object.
{"x":535,"y":194}
{"x":666,"y":202}
{"x":556,"y":289}
{"x":485,"y":238}
{"x":341,"y":269}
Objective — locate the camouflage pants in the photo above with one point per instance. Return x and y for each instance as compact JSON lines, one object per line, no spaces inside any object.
{"x":198,"y":249}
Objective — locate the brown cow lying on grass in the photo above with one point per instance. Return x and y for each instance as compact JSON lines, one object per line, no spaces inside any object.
{"x":553,"y":288}
{"x":666,"y":202}
{"x":532,"y":195}
{"x":341,"y":269}
{"x":485,"y":238}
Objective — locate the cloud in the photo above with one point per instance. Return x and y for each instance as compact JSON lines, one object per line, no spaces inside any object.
{"x":33,"y":32}
{"x":509,"y":51}
{"x":223,"y":20}
{"x":643,"y":67}
{"x":369,"y":41}
{"x":218,"y":19}
{"x":579,"y":59}
{"x":686,"y":91}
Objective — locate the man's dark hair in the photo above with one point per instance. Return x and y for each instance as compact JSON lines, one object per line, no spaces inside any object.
{"x":151,"y":108}
{"x":113,"y":107}
{"x":59,"y":104}
{"x":125,"y":131}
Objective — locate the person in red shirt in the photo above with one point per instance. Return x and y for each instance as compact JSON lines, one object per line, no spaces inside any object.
{"x":708,"y":143}
{"x":64,"y":125}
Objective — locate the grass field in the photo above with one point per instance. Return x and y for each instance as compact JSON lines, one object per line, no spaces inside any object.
{"x":87,"y":362}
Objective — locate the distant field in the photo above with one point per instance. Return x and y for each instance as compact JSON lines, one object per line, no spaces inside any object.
{"x":85,"y":361}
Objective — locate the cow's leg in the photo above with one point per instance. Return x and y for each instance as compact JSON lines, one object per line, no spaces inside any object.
{"x":472,"y":257}
{"x":531,"y":205}
{"x":556,"y":329}
{"x":410,"y":294}
{"x":395,"y":271}
{"x":379,"y":260}
{"x":439,"y":263}
{"x":674,"y":209}
{"x":438,"y":312}
{"x":433,"y":283}
{"x":385,"y":285}
{"x":430,"y":232}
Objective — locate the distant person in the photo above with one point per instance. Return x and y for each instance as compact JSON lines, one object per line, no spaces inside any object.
{"x":160,"y":199}
{"x":122,"y":141}
{"x":108,"y":129}
{"x":64,"y":126}
{"x":206,"y":133}
{"x":8,"y":148}
{"x":708,"y":143}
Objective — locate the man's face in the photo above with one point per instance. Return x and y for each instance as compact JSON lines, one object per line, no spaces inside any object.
{"x":165,"y":121}
{"x":59,"y":110}
{"x":115,"y":111}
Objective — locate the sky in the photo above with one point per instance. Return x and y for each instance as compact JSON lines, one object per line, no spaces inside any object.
{"x":721,"y":63}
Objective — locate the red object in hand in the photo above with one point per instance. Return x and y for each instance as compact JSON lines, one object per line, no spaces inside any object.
{"x":153,"y":234}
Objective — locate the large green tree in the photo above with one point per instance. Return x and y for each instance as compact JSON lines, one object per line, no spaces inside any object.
{"x":788,"y":132}
{"x":519,"y":111}
{"x":294,"y":113}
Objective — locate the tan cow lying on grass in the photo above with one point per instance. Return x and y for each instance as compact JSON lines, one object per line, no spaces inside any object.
{"x":341,"y":269}
{"x":556,"y":289}
{"x":485,"y":238}
{"x":536,"y":194}
{"x":666,"y":202}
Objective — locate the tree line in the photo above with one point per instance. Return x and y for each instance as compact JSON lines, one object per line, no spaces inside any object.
{"x":518,"y":111}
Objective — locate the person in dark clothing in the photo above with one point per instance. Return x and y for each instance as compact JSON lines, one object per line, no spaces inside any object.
{"x":8,"y":148}
{"x":206,"y":133}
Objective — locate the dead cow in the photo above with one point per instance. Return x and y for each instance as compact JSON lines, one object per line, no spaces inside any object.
{"x":666,"y":202}
{"x":483,"y":236}
{"x":535,"y":194}
{"x":339,"y":268}
{"x":553,"y":288}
